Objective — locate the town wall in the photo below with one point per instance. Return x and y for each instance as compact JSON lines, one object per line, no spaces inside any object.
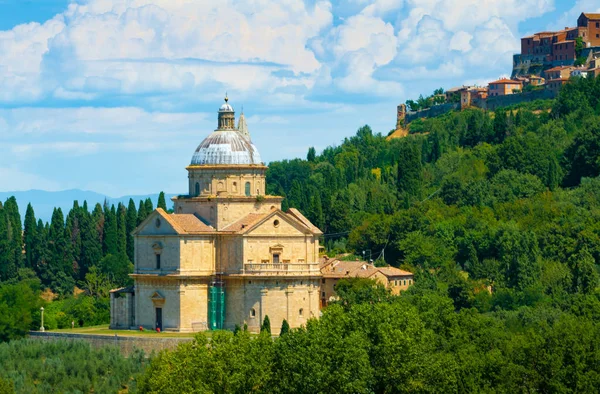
{"x":126,"y":344}
{"x":493,"y":103}
{"x":431,"y":112}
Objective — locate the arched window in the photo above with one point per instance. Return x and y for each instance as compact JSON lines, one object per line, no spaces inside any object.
{"x":248,"y":189}
{"x":197,"y":189}
{"x":253,"y":313}
{"x":301,"y":312}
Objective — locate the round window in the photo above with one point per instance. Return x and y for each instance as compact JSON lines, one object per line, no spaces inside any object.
{"x":276,"y":223}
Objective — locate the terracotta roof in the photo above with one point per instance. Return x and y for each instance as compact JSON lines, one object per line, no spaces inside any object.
{"x":393,"y":271}
{"x":559,"y":68}
{"x":190,"y":223}
{"x":245,"y":222}
{"x":590,"y":15}
{"x":357,"y":269}
{"x":503,"y":81}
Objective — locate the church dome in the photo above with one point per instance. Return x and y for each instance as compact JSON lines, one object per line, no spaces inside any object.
{"x":226,"y":147}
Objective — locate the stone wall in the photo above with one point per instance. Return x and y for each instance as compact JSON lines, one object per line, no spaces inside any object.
{"x":493,"y":103}
{"x":432,"y":112}
{"x":126,"y":344}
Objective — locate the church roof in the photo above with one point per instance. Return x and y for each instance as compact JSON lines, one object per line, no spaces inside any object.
{"x":226,"y":147}
{"x":190,"y":223}
{"x":245,"y":222}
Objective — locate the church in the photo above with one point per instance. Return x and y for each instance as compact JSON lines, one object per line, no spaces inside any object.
{"x":228,"y":255}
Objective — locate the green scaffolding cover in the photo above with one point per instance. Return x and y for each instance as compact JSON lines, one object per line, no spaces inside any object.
{"x":216,"y":308}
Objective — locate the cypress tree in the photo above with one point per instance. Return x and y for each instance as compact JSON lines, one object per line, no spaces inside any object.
{"x":553,"y":173}
{"x":109,"y":244}
{"x":131,"y":224}
{"x":7,"y":266}
{"x":98,"y":220}
{"x":142,"y":213}
{"x":121,"y":230}
{"x":73,"y":229}
{"x":148,"y":205}
{"x":91,"y":244}
{"x":410,"y":177}
{"x":266,"y":325}
{"x":161,"y":201}
{"x":285,"y":328}
{"x":59,"y":271}
{"x":30,"y":235}
{"x":15,"y":231}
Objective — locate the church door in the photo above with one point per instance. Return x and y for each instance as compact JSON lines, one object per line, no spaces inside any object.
{"x":159,"y":318}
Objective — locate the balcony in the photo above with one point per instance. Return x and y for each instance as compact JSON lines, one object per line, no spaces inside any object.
{"x":281,"y":269}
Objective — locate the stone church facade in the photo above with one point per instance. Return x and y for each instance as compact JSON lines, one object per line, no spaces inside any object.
{"x":228,"y":254}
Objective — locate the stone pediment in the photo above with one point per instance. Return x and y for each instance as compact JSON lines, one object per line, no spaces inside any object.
{"x":278,"y":223}
{"x":157,"y":298}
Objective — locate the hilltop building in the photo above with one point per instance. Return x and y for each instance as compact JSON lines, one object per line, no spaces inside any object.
{"x":549,"y":49}
{"x":503,"y":87}
{"x":228,"y":254}
{"x":333,"y":270}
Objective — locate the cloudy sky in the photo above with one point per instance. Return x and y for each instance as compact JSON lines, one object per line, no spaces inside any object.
{"x":114,"y":95}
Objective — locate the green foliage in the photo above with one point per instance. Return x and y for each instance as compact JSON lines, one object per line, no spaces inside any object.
{"x":285,"y":328}
{"x":35,"y":366}
{"x":266,"y":325}
{"x":19,"y":304}
{"x":354,"y":291}
{"x":162,"y":203}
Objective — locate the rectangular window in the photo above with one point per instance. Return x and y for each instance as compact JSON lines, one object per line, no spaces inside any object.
{"x":275,"y":259}
{"x":157,"y":261}
{"x":322,"y":294}
{"x":322,"y":280}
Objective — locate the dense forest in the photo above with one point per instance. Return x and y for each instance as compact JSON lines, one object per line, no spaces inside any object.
{"x":496,"y":213}
{"x":68,"y":265}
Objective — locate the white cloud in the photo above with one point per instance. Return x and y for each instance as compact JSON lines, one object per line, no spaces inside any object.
{"x":461,"y":41}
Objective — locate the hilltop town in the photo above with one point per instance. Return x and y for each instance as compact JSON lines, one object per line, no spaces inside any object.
{"x":548,"y":60}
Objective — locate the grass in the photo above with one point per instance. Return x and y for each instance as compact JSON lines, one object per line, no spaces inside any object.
{"x":104,"y":330}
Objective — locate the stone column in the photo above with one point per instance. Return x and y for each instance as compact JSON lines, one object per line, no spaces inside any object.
{"x":263,"y":302}
{"x":288,"y":293}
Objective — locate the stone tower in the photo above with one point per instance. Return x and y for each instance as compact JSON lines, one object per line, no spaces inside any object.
{"x":401,"y":116}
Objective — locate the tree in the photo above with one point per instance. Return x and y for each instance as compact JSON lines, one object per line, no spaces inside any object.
{"x":266,"y":325}
{"x":354,"y":291}
{"x":121,"y":230}
{"x":584,"y":273}
{"x":131,"y":224}
{"x":142,"y":213}
{"x":30,"y":237}
{"x":148,"y":205}
{"x":110,"y":240}
{"x":285,"y":328}
{"x":410,"y":170}
{"x":18,"y":305}
{"x":161,"y":201}
{"x":15,"y":231}
{"x":312,"y":154}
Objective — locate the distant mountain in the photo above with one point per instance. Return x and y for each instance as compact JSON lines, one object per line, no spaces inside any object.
{"x":44,"y":202}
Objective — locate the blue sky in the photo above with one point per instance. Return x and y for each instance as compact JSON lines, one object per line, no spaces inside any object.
{"x":114,"y":95}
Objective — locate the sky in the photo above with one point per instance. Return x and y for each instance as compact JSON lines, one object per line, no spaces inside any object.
{"x":114,"y":96}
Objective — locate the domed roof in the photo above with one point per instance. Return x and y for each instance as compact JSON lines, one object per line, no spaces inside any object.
{"x":226,"y":147}
{"x":226,"y":108}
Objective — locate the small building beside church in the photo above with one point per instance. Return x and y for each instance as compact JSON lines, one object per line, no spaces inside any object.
{"x":228,"y":255}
